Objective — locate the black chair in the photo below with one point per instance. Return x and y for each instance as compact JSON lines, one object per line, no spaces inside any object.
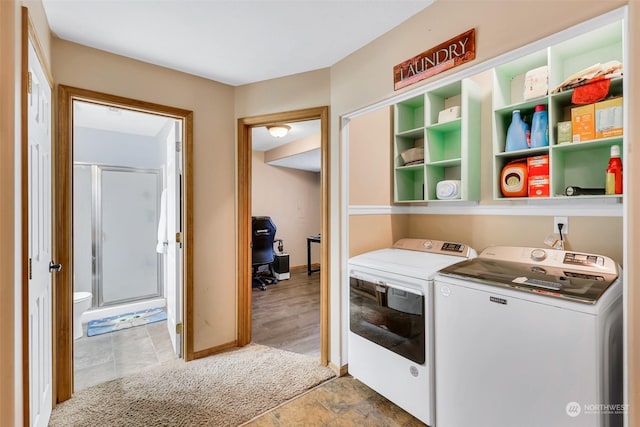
{"x":263,"y":232}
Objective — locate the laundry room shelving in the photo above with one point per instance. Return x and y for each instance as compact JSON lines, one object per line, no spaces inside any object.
{"x":451,"y":148}
{"x":581,"y":164}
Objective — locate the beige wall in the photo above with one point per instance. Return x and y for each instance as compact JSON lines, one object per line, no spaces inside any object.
{"x":290,"y":93}
{"x":370,"y":176}
{"x":371,"y":232}
{"x":602,"y":235}
{"x":291,"y":197}
{"x":213,"y":167}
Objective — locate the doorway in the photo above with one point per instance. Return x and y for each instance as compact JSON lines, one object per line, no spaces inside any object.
{"x":245,"y":127}
{"x":286,"y":195}
{"x":125,"y":221}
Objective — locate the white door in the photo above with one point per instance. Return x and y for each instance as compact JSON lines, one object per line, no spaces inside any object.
{"x":40,"y":306}
{"x":173,"y":199}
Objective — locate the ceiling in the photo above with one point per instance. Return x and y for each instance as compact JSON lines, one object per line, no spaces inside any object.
{"x":230,"y":41}
{"x":310,"y":160}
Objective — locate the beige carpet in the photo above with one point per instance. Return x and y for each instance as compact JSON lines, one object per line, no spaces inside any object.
{"x":222,"y":390}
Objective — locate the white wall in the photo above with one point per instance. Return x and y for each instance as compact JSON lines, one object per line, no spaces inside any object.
{"x":118,"y":149}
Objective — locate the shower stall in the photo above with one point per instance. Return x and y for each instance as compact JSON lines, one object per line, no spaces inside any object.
{"x":116,"y":216}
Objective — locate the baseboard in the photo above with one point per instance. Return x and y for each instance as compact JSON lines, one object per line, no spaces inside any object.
{"x":214,"y":350}
{"x":304,"y":267}
{"x":340,"y":371}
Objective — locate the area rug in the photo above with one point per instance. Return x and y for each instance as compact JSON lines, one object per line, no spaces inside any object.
{"x":125,"y":321}
{"x":226,"y":389}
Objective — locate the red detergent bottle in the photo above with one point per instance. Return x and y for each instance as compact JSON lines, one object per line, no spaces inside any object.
{"x":613,"y":184}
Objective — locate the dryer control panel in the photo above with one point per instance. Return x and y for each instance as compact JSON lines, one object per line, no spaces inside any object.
{"x":435,"y":246}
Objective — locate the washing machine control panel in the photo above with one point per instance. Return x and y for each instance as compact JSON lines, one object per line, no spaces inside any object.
{"x":584,"y":259}
{"x":552,"y":258}
{"x":538,"y":254}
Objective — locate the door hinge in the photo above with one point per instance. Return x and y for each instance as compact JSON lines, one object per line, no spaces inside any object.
{"x":179,"y":328}
{"x":178,"y":146}
{"x":29,"y":82}
{"x":179,"y":237}
{"x":30,"y":270}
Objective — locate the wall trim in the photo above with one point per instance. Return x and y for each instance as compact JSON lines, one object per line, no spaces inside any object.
{"x":606,"y":208}
{"x":214,"y":350}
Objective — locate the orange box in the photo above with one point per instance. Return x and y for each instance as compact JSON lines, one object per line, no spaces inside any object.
{"x":609,"y":118}
{"x":538,"y":165}
{"x":582,"y":123}
{"x":539,"y":186}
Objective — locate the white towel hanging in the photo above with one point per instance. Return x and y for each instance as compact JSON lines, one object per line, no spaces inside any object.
{"x":161,"y":247}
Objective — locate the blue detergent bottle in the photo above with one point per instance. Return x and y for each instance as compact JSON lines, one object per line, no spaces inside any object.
{"x":517,"y":133}
{"x":540,"y":127}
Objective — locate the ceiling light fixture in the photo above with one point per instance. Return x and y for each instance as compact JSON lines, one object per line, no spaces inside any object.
{"x":278,"y":131}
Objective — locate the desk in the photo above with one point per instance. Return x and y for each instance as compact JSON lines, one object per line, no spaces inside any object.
{"x":315,"y":239}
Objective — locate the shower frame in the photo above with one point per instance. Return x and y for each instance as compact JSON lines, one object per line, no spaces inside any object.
{"x":97,"y":241}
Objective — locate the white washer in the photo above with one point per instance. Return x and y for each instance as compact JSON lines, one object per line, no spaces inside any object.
{"x":529,"y":337}
{"x":390,"y":335}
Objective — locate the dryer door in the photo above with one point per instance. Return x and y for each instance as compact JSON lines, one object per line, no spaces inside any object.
{"x":388,"y":315}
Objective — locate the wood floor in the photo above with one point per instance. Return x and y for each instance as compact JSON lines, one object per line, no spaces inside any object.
{"x":287,"y":314}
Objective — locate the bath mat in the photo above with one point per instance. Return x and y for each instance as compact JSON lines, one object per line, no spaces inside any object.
{"x":125,"y":321}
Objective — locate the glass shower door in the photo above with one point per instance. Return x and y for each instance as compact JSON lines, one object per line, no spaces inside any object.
{"x":130,"y":267}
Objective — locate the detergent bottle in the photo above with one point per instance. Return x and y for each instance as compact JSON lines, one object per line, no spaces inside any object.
{"x":517,"y":133}
{"x":540,"y":127}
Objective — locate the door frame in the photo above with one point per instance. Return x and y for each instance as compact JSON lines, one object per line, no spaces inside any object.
{"x":63,"y":334}
{"x":244,"y":218}
{"x":29,"y":35}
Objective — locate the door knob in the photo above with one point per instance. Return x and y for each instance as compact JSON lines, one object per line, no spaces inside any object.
{"x":54,"y":267}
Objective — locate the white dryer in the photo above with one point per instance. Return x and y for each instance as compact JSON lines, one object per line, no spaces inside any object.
{"x":390,"y":339}
{"x":529,"y":337}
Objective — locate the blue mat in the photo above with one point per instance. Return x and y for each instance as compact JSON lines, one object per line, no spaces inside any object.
{"x":125,"y":321}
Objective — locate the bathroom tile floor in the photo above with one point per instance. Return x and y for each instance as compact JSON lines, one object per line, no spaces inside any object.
{"x":105,"y":357}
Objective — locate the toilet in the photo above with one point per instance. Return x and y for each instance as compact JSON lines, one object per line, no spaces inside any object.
{"x":81,"y":303}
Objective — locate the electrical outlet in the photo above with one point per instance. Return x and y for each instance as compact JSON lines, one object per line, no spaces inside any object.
{"x":561,"y":220}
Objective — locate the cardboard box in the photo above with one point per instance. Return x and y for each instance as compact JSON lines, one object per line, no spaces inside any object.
{"x":538,"y":165}
{"x":609,"y":118}
{"x":582,"y":123}
{"x":564,"y":132}
{"x":539,"y":186}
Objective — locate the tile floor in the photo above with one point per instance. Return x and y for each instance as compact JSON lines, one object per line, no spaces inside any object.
{"x":343,"y":401}
{"x":105,"y":357}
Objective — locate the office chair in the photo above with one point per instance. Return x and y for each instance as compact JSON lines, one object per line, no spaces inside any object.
{"x":263,"y":232}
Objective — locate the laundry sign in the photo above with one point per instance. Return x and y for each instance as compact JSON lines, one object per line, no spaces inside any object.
{"x":447,"y":55}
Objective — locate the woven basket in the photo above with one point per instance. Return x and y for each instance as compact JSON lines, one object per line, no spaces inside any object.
{"x":413,"y":155}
